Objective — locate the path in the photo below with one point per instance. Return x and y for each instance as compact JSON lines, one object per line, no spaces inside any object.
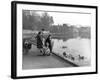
{"x":34,"y":60}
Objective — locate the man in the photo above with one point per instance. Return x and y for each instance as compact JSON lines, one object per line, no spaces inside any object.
{"x":42,"y":36}
{"x":48,"y":41}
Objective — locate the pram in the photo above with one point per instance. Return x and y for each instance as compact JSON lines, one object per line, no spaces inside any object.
{"x":26,"y":46}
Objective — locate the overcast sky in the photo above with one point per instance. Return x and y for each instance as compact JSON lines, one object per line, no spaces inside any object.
{"x":71,"y":18}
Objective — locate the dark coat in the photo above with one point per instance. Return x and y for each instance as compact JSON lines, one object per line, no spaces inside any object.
{"x":39,"y":41}
{"x":48,"y":40}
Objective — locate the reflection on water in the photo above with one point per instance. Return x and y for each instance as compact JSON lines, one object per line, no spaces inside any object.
{"x":74,"y":46}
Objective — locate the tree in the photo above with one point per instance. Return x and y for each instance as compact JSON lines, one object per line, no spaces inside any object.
{"x":46,"y":21}
{"x":33,"y":21}
{"x":26,"y":23}
{"x":30,"y":20}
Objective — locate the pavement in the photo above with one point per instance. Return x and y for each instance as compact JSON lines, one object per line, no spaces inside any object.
{"x":35,"y":60}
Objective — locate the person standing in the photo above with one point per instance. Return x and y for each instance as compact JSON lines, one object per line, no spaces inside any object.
{"x":49,"y":43}
{"x":42,"y":36}
{"x":39,"y":41}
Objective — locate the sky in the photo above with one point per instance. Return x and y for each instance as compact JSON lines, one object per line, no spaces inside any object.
{"x":70,"y":18}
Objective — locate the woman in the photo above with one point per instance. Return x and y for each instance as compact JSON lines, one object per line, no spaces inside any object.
{"x":39,"y":41}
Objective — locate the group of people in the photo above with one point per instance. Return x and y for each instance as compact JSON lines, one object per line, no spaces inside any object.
{"x":44,"y":43}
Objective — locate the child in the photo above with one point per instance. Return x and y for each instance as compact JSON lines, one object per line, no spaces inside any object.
{"x":46,"y":49}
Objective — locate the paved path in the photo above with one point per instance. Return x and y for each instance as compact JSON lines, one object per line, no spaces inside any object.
{"x":35,"y":60}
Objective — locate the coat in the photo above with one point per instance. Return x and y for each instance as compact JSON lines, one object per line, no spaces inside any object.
{"x":39,"y":41}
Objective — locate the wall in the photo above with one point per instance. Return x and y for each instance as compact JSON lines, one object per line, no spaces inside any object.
{"x":5,"y":46}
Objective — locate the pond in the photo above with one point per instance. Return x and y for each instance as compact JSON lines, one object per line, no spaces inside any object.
{"x":78,"y":48}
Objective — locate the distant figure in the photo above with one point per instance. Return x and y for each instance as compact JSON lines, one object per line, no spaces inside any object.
{"x":48,"y":43}
{"x":42,"y":32}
